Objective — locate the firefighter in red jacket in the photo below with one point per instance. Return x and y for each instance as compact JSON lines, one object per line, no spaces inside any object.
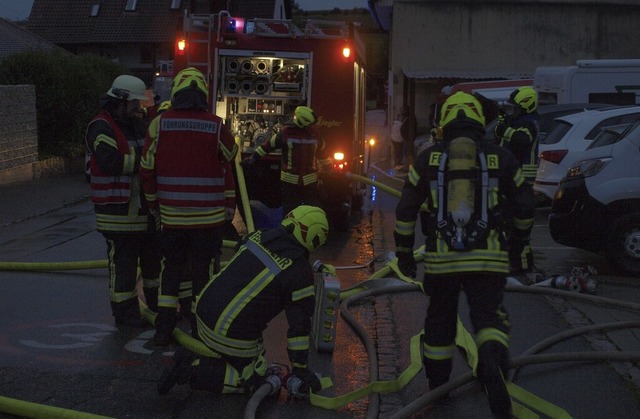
{"x":465,"y":184}
{"x":184,"y":180}
{"x":114,"y":141}
{"x":269,"y":273}
{"x":302,"y":155}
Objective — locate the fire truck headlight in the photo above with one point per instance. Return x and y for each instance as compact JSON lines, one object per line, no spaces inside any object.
{"x":338,"y":157}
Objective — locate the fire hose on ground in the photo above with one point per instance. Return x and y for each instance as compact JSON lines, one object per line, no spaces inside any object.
{"x":379,"y":283}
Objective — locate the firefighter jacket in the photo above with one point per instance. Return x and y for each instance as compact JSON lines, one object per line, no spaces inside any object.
{"x":269,"y":273}
{"x":115,"y":186}
{"x":502,"y":200}
{"x":520,"y":136}
{"x":302,"y":153}
{"x":183,"y":168}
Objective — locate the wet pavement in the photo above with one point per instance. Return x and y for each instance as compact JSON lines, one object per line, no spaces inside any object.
{"x":117,"y":377}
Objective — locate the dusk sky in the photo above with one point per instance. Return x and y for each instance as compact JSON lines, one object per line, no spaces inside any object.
{"x":20,"y":9}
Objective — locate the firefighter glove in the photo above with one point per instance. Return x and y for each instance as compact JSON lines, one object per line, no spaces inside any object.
{"x":330,"y":269}
{"x":310,"y":380}
{"x":406,"y":263}
{"x":247,"y":161}
{"x":501,"y":127}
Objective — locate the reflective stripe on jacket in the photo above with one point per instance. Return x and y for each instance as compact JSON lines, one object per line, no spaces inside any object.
{"x":183,"y":168}
{"x":106,"y":188}
{"x":509,"y":191}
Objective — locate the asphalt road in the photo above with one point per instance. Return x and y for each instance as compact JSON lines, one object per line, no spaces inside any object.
{"x":60,"y":348}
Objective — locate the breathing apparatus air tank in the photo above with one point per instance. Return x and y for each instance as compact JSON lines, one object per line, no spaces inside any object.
{"x":461,"y":186}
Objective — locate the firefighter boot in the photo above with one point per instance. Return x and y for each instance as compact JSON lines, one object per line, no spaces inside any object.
{"x":437,"y":373}
{"x":151,"y":297}
{"x":127,"y":313}
{"x":166,"y":321}
{"x":492,"y":368}
{"x":180,"y":371}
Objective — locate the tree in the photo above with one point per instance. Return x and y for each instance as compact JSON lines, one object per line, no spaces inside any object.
{"x":68,"y":89}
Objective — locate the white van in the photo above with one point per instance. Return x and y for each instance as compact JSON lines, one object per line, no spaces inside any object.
{"x":616,"y":82}
{"x":597,"y":205}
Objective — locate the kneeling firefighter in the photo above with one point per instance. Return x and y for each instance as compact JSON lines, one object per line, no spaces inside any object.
{"x":269,"y":273}
{"x":465,"y":183}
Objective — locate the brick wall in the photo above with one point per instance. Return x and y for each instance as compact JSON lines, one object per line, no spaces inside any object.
{"x":18,"y":133}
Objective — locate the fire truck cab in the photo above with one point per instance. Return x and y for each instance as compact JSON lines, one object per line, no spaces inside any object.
{"x":260,"y":70}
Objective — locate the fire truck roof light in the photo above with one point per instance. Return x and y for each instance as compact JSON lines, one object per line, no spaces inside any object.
{"x":182,"y":44}
{"x":338,"y":156}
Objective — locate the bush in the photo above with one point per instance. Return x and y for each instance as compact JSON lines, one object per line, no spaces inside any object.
{"x":68,"y":88}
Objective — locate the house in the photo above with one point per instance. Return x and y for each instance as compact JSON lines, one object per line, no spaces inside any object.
{"x":136,"y":33}
{"x":14,"y":38}
{"x":435,"y":43}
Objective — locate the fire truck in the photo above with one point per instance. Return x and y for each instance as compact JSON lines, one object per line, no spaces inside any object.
{"x":260,"y":70}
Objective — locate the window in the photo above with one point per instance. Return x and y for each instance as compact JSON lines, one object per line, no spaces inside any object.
{"x":131,"y":6}
{"x":176,"y":4}
{"x":95,"y":9}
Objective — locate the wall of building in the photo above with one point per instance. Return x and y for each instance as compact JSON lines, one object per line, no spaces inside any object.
{"x":18,"y":133}
{"x":19,"y":140}
{"x":437,"y":41}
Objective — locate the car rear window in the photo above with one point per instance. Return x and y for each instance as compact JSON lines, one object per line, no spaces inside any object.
{"x":557,"y":132}
{"x":615,"y":120}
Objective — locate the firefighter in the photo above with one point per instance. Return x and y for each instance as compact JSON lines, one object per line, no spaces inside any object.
{"x":270,"y":272}
{"x":114,"y":140}
{"x":517,"y":131}
{"x":183,"y":177}
{"x":302,"y":156}
{"x":464,"y":182}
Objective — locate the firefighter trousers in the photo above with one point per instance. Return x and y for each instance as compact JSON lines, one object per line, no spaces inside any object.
{"x":296,"y":195}
{"x":125,"y":252}
{"x":484,"y":292}
{"x":184,"y":250}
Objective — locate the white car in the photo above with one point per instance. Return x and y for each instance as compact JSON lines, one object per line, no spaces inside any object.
{"x":574,"y":133}
{"x":597,"y":205}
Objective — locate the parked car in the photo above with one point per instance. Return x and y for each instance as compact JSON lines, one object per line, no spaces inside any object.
{"x":547,"y":115}
{"x":574,"y":133}
{"x":597,"y":205}
{"x":609,"y":135}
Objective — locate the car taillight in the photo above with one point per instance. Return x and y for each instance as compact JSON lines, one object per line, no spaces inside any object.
{"x":553,"y":156}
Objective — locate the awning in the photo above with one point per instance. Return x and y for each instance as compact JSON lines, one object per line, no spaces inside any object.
{"x":465,"y":74}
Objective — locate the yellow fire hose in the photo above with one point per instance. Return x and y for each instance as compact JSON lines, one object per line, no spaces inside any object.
{"x":242,"y":186}
{"x":524,"y":402}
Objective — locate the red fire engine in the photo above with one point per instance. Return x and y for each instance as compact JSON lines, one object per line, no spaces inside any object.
{"x":261,"y":69}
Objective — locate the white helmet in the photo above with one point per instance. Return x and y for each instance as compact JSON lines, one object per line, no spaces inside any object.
{"x":128,"y":88}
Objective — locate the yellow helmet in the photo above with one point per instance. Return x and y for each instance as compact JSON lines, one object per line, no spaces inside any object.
{"x":310,"y":226}
{"x":304,"y":116}
{"x":164,"y":106}
{"x":189,"y":78}
{"x":128,"y":88}
{"x":461,"y":107}
{"x":526,"y":97}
